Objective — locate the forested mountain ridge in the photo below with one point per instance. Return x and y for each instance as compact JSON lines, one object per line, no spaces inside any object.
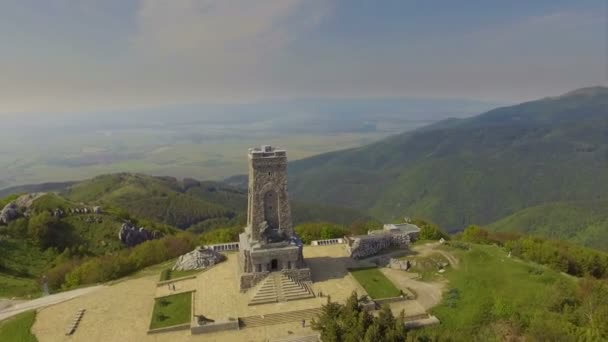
{"x":474,"y":170}
{"x":582,"y":222}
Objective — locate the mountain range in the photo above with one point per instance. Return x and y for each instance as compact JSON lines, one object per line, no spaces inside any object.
{"x":476,"y":170}
{"x":539,"y":167}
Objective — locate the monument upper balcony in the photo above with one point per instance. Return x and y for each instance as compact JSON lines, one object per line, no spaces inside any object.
{"x":266,"y":151}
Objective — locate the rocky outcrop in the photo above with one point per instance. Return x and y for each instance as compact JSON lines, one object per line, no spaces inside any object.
{"x":9,"y":213}
{"x":132,"y":236}
{"x":18,"y":207}
{"x":200,"y":258}
{"x":398,"y":264}
{"x":24,"y":202}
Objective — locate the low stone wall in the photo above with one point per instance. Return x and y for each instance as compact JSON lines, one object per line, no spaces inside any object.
{"x":224,"y":247}
{"x":178,"y":327}
{"x":360,"y":247}
{"x":390,"y":300}
{"x":195,"y":328}
{"x":414,"y":322}
{"x":326,"y":242}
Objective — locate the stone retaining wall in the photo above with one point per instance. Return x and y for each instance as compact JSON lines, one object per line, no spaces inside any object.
{"x":390,"y":300}
{"x":178,"y":327}
{"x":214,"y":327}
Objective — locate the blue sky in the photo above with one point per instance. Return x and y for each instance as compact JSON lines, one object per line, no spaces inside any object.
{"x":83,"y":55}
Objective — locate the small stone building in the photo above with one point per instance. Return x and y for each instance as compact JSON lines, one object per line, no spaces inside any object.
{"x":269,"y":243}
{"x":392,"y":235}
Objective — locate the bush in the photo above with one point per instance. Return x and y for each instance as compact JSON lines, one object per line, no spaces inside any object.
{"x":125,"y":262}
{"x":221,"y":235}
{"x":475,"y":234}
{"x":43,"y":229}
{"x":320,"y":231}
{"x":429,"y":230}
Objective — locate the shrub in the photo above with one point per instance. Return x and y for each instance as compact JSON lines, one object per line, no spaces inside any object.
{"x":429,"y":230}
{"x":320,"y":231}
{"x":43,"y":229}
{"x":221,"y":235}
{"x":125,"y":262}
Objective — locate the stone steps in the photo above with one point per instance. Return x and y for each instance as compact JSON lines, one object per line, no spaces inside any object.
{"x":309,"y":338}
{"x":278,"y":287}
{"x":279,"y":318}
{"x":74,"y":324}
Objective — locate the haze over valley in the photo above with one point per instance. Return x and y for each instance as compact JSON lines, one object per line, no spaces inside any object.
{"x":204,"y":142}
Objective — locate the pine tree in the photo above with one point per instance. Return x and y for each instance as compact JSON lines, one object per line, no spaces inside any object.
{"x":373,"y":333}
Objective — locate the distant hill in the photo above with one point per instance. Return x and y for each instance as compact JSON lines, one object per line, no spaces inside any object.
{"x":584,"y":222}
{"x":29,"y":188}
{"x":162,"y":199}
{"x":475,"y":170}
{"x":188,"y":203}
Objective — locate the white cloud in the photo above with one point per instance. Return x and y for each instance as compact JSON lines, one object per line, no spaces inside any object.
{"x":167,"y":52}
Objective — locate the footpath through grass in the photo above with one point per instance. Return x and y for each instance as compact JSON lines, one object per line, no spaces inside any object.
{"x":18,"y":328}
{"x":172,"y":310}
{"x":375,"y":283}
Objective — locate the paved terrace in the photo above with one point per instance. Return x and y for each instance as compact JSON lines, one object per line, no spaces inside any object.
{"x":122,"y":312}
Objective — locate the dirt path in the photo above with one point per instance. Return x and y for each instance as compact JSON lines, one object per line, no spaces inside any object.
{"x":431,"y":248}
{"x":45,"y":301}
{"x":428,"y":294}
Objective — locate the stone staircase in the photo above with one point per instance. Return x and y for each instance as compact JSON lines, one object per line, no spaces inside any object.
{"x":266,"y":292}
{"x":309,"y":338}
{"x":279,"y":318}
{"x":278,"y":287}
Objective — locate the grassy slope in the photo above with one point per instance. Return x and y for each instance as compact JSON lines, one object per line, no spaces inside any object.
{"x":476,"y":170}
{"x":18,"y":328}
{"x":583,"y":222}
{"x":22,"y":262}
{"x":489,"y":290}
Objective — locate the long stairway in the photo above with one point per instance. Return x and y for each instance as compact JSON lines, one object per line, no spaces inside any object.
{"x":309,"y":338}
{"x":278,"y":287}
{"x":279,"y":318}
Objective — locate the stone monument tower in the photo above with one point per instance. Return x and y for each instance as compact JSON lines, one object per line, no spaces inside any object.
{"x":269,"y":243}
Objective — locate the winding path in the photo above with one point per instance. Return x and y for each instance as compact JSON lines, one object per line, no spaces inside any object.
{"x":46,"y":301}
